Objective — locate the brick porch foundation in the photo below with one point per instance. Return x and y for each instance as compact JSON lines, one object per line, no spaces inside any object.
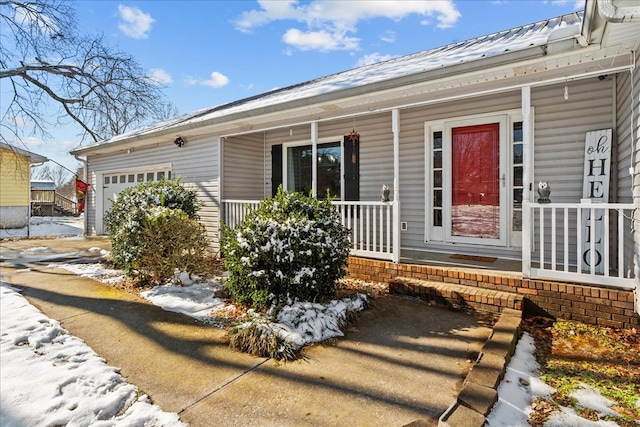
{"x":572,"y":301}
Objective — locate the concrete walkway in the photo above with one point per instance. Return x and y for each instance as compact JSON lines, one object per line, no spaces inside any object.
{"x":403,"y":362}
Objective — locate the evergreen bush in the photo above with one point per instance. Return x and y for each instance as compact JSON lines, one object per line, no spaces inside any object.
{"x":293,"y":247}
{"x":140,"y":214}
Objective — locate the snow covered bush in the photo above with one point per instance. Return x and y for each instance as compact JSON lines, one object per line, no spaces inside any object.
{"x":292,"y":248}
{"x":172,"y":241}
{"x":141,"y":221}
{"x":282,"y":336}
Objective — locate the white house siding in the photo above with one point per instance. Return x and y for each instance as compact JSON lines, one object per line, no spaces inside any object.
{"x":633,"y":140}
{"x":376,"y":150}
{"x":626,"y":160}
{"x":243,"y":167}
{"x":195,"y":163}
{"x":559,"y":137}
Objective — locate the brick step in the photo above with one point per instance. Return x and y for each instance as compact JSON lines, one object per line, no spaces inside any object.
{"x":454,"y":295}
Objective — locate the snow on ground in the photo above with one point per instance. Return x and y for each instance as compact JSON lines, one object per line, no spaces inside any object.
{"x":48,"y":377}
{"x":44,"y":226}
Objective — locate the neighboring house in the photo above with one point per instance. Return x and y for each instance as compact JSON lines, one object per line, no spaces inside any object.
{"x":43,"y":184}
{"x":46,"y":201}
{"x":15,"y":177}
{"x":461,"y":134}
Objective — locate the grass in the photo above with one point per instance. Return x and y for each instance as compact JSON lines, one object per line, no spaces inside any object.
{"x":572,"y":354}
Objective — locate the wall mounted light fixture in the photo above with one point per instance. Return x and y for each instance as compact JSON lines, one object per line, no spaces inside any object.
{"x":179,"y":141}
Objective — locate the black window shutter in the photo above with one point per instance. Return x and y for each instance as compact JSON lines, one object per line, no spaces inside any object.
{"x":351,"y":167}
{"x":276,"y":168}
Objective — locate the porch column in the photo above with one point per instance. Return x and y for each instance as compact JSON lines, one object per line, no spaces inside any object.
{"x":527,"y":149}
{"x":395,"y":127}
{"x":314,"y":158}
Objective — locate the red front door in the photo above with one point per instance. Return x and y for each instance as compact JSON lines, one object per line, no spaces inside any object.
{"x":475,"y":181}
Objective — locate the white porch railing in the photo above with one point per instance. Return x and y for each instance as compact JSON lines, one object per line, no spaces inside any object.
{"x":583,"y":242}
{"x":236,"y":210}
{"x":371,"y":225}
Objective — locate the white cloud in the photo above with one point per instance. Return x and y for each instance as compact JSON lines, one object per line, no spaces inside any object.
{"x":135,"y":23}
{"x":373,"y":58}
{"x":319,"y":40}
{"x":216,"y":80}
{"x":326,"y":24}
{"x":388,"y":37}
{"x":160,"y":76}
{"x":576,"y":3}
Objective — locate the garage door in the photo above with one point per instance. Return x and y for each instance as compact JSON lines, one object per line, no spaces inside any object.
{"x":115,"y":183}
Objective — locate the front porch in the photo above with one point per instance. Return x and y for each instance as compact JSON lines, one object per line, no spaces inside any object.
{"x":566,"y":242}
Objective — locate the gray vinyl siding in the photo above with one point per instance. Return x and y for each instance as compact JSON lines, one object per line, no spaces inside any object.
{"x":196,"y":163}
{"x":376,"y":150}
{"x":625,"y":154}
{"x":559,"y":141}
{"x":628,"y":130}
{"x":243,"y":167}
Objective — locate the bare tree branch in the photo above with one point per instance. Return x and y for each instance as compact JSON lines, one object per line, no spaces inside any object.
{"x":46,"y":64}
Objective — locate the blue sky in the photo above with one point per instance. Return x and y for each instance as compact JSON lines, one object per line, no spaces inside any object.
{"x":211,"y":52}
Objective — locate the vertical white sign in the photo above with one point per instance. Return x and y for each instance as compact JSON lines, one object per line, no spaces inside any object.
{"x":597,"y":173}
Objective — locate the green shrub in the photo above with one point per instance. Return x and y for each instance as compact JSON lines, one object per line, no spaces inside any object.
{"x":130,"y":217}
{"x":172,"y":241}
{"x":293,"y":247}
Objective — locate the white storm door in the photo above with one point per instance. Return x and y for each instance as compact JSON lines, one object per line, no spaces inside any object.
{"x":476,"y":196}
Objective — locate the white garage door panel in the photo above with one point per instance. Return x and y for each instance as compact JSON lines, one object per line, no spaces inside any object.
{"x":114,"y":183}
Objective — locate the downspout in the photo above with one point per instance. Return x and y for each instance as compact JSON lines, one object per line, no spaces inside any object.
{"x":617,"y":15}
{"x":314,"y":159}
{"x":85,"y":178}
{"x":395,"y":127}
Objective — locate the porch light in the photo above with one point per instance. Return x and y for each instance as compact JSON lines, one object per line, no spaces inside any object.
{"x":179,"y":141}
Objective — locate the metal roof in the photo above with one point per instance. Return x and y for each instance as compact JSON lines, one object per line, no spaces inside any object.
{"x":491,"y":45}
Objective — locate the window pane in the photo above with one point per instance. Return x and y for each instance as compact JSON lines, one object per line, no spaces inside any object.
{"x":160,"y":176}
{"x":437,"y":198}
{"x":437,"y":217}
{"x":168,"y":174}
{"x":329,"y":170}
{"x":437,"y":140}
{"x":517,"y":132}
{"x":299,"y":169}
{"x":437,"y":179}
{"x":517,"y":153}
{"x":517,"y":176}
{"x":140,"y":177}
{"x":437,"y":159}
{"x":517,"y":197}
{"x":106,"y":180}
{"x":150,"y":176}
{"x":131,"y":178}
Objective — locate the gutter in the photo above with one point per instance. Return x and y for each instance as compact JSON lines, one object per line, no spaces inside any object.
{"x":85,"y":178}
{"x":617,"y":15}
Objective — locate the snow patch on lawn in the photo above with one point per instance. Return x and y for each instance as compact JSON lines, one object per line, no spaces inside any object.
{"x":52,"y":378}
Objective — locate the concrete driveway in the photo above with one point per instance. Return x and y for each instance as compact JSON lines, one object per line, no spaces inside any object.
{"x":401,"y":362}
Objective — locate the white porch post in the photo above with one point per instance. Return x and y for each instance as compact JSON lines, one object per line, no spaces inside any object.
{"x":527,"y":149}
{"x":395,"y":127}
{"x":314,"y":158}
